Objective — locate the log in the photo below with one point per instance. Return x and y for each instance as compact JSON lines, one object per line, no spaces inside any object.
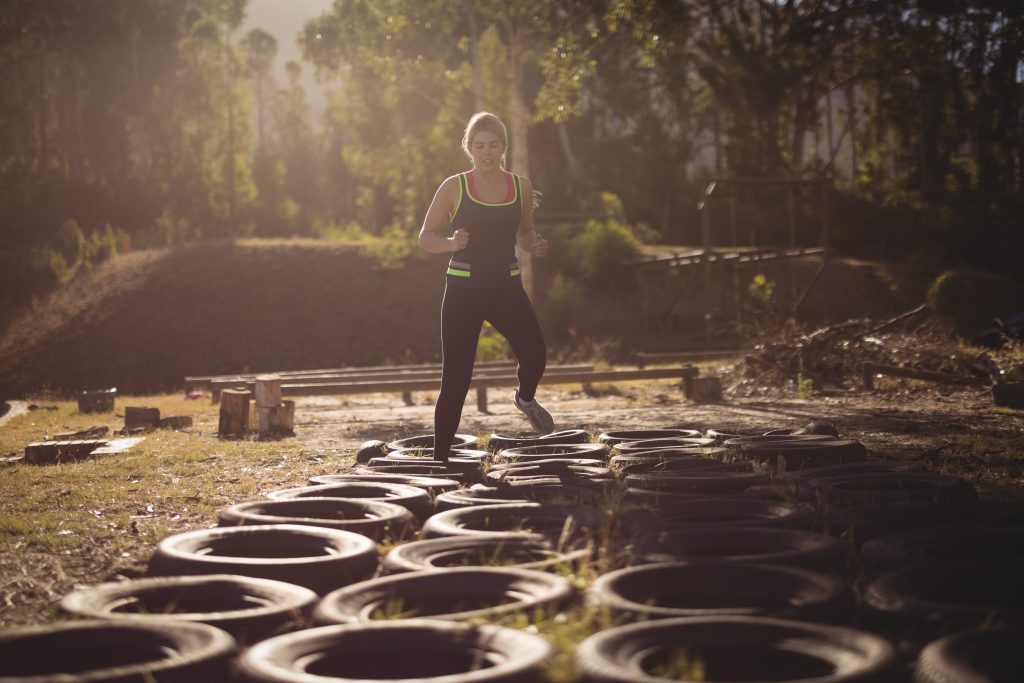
{"x":268,"y":391}
{"x":176,"y":422}
{"x":277,"y":420}
{"x":869,"y":370}
{"x":703,"y":389}
{"x":234,"y":413}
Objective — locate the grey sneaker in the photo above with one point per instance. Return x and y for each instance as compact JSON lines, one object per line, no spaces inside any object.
{"x":540,"y":418}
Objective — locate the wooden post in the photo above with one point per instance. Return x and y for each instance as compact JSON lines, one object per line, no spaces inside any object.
{"x":234,"y":412}
{"x":278,"y":420}
{"x":268,"y":391}
{"x":481,"y":399}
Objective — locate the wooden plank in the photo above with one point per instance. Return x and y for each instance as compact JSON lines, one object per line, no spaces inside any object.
{"x":869,"y":370}
{"x":400,"y":375}
{"x":645,"y":358}
{"x":204,"y":381}
{"x":397,"y":386}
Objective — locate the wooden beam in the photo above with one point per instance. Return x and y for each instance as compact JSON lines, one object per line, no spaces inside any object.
{"x":869,"y":370}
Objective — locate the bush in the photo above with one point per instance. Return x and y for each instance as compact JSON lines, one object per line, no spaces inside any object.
{"x":70,"y":240}
{"x":491,"y":346}
{"x":973,"y":300}
{"x":564,"y":301}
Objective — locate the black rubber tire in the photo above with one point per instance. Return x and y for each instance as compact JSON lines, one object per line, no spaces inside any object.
{"x":865,"y":522}
{"x":564,"y":471}
{"x":371,"y":449}
{"x":776,"y":439}
{"x":663,"y":443}
{"x":719,"y":588}
{"x":247,"y":608}
{"x":801,"y":455}
{"x":413,"y":456}
{"x":940,"y":544}
{"x":991,"y":655}
{"x":706,"y":483}
{"x":500,"y":442}
{"x":592,"y":451}
{"x":317,"y":558}
{"x":407,"y":650}
{"x":108,"y":651}
{"x":694,"y":460}
{"x":412,"y":498}
{"x":429,"y":471}
{"x":554,"y":494}
{"x":519,"y":519}
{"x":372,"y":518}
{"x":764,"y":545}
{"x":901,"y":487}
{"x":613,"y":438}
{"x":722,"y":435}
{"x":465,"y":469}
{"x":482,"y":550}
{"x":432,"y":485}
{"x":924,"y":602}
{"x":455,"y":594}
{"x":801,"y":481}
{"x":427,"y":441}
{"x":737,"y":649}
{"x":720,"y":512}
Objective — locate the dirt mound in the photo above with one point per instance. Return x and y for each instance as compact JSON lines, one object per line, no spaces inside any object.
{"x":145,"y":320}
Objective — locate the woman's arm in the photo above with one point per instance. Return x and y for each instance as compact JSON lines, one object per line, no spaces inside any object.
{"x":437,"y":218}
{"x":527,"y":238}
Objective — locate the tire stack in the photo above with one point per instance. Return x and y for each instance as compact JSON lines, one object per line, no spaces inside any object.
{"x":696,"y":554}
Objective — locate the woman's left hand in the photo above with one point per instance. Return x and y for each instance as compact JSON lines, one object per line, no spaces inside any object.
{"x":540,"y":245}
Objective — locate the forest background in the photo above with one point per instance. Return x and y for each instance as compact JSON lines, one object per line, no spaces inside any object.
{"x":137,"y":124}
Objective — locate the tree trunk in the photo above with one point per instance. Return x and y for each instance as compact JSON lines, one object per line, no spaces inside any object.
{"x":474,"y":56}
{"x":234,"y":413}
{"x":520,"y":144}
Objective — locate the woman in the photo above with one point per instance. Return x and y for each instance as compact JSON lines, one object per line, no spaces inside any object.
{"x":491,"y":211}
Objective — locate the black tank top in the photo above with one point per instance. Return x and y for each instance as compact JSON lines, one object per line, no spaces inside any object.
{"x":490,"y":258}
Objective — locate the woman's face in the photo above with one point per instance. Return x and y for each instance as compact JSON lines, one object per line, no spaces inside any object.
{"x":486,"y":149}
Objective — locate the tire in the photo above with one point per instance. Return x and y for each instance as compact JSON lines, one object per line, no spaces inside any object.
{"x":929,"y":546}
{"x":903,"y":487}
{"x":979,"y":656}
{"x":427,"y":441}
{"x":553,"y":494}
{"x":612,"y":439}
{"x":456,"y":594}
{"x":763,"y":545}
{"x":737,"y":649}
{"x":802,"y":481}
{"x":682,"y":458}
{"x":466,"y":469}
{"x":500,"y":442}
{"x":865,"y":522}
{"x":163,"y":650}
{"x":313,"y":557}
{"x":428,"y":471}
{"x":706,"y":483}
{"x":719,"y":588}
{"x":372,"y":518}
{"x":564,"y":471}
{"x":479,"y":551}
{"x":247,"y":608}
{"x":740,"y":442}
{"x":412,"y":498}
{"x":518,"y":519}
{"x":663,"y":443}
{"x":428,"y":649}
{"x":721,"y":512}
{"x":923,"y":602}
{"x":801,"y":455}
{"x":591,"y":451}
{"x":722,"y":435}
{"x":432,"y":485}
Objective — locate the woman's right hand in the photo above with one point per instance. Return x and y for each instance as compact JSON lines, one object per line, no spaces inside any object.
{"x":460,"y":240}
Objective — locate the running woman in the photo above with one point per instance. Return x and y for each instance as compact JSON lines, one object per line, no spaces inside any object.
{"x":490,"y":211}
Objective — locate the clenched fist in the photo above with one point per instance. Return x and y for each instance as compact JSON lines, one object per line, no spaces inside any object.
{"x":460,"y":240}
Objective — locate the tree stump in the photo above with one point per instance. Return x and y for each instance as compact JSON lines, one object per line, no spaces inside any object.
{"x":234,"y":413}
{"x":268,"y":391}
{"x":703,"y":389}
{"x":278,"y":420}
{"x":98,"y":401}
{"x":136,"y":419}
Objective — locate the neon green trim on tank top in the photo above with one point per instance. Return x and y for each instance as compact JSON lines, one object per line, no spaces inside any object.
{"x":458,"y":273}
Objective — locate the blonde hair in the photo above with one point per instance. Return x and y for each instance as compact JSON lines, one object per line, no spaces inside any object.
{"x":484,"y":121}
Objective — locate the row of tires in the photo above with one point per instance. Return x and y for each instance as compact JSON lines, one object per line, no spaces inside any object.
{"x":707,"y":578}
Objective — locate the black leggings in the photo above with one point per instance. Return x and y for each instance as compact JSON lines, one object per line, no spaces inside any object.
{"x":463,"y":313}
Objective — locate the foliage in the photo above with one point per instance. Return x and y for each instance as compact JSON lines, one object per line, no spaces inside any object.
{"x":390,"y":250}
{"x":605,"y":244}
{"x":491,"y":346}
{"x":565,"y":299}
{"x":972,"y":300}
{"x":761,"y":289}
